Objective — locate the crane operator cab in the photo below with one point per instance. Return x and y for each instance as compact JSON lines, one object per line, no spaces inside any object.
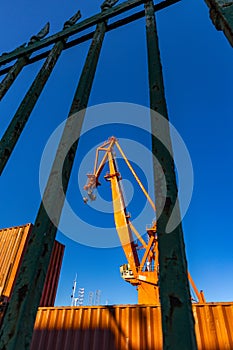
{"x":126,"y":272}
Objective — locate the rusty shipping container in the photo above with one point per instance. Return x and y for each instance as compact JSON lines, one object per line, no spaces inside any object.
{"x":13,"y":242}
{"x":121,"y":327}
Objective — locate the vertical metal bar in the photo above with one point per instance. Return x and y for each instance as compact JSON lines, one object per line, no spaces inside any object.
{"x":177,"y":318}
{"x":221,"y":14}
{"x":20,"y":63}
{"x":87,"y":23}
{"x":12,"y":75}
{"x":17,"y":328}
{"x":22,"y":114}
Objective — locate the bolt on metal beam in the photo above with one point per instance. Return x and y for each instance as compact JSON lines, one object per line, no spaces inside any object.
{"x":177,"y":317}
{"x":221,"y":14}
{"x":17,"y":327}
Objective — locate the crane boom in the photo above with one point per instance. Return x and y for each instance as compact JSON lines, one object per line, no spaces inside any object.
{"x":142,"y":273}
{"x":120,"y":215}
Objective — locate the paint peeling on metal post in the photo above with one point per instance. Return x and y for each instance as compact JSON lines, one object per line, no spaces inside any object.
{"x":221,"y":14}
{"x":14,"y":130}
{"x":177,"y":317}
{"x":17,"y":328}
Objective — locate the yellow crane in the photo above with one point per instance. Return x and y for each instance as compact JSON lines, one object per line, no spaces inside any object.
{"x":142,"y":273}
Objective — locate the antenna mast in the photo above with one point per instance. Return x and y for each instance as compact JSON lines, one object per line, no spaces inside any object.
{"x":73,"y":299}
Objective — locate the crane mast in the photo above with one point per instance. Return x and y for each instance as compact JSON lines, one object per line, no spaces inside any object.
{"x":142,"y":273}
{"x":120,"y":215}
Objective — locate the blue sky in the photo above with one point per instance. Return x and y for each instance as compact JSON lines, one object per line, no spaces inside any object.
{"x":198,"y":74}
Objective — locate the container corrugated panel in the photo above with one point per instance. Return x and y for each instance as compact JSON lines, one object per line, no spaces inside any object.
{"x":131,"y":327}
{"x":52,"y":277}
{"x":214,"y":325}
{"x":13,"y":243}
{"x":12,"y":246}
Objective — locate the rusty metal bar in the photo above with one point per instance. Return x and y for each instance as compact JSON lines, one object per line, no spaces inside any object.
{"x":12,"y":75}
{"x":177,"y":317}
{"x":14,"y":70}
{"x":17,"y":124}
{"x":87,"y":23}
{"x":43,"y":55}
{"x":221,"y":14}
{"x":17,"y":328}
{"x":127,"y":5}
{"x":112,"y":26}
{"x":22,"y":114}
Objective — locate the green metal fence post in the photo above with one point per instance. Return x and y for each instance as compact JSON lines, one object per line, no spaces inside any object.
{"x":177,"y":317}
{"x":12,"y":75}
{"x":111,"y":13}
{"x":20,"y":63}
{"x":17,"y":124}
{"x":17,"y":328}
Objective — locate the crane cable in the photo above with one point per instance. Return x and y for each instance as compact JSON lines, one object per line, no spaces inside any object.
{"x":136,"y":177}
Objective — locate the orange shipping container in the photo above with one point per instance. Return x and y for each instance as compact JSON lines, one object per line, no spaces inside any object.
{"x":124,"y":327}
{"x":13,"y":242}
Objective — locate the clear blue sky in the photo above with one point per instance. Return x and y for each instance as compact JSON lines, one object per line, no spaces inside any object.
{"x":197,"y":63}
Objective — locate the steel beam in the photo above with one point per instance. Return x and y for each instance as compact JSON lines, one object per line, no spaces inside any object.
{"x":177,"y":317}
{"x":88,"y":23}
{"x":17,"y":124}
{"x":15,"y":128}
{"x":14,"y":70}
{"x":17,"y":328}
{"x":221,"y":14}
{"x":128,"y":19}
{"x":12,"y":75}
